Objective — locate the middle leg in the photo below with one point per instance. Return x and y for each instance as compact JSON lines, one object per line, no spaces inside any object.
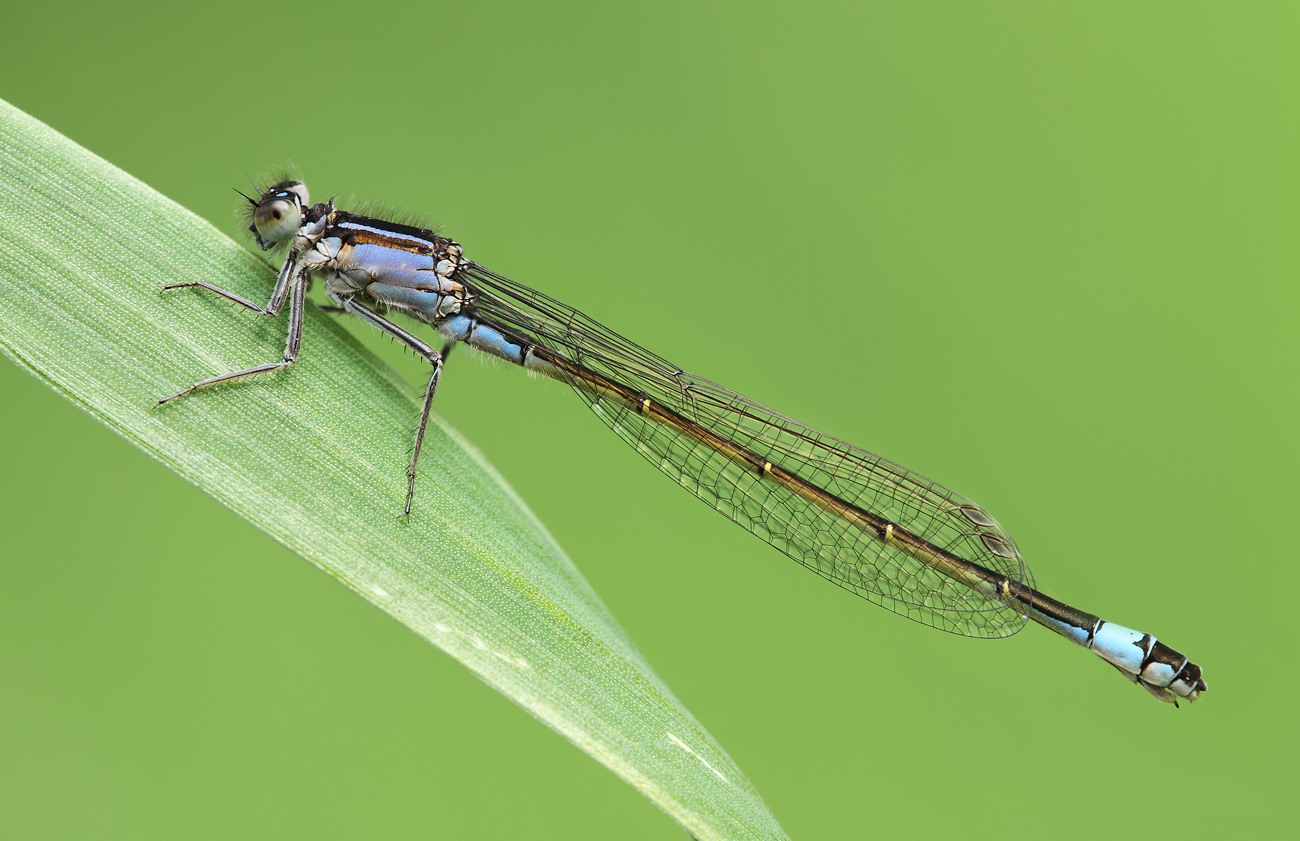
{"x":427,"y":353}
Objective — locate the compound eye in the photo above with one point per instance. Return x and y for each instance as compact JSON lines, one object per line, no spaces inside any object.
{"x":277,"y":219}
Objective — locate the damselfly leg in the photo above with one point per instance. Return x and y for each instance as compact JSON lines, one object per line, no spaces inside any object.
{"x":292,"y":284}
{"x":426,"y":352}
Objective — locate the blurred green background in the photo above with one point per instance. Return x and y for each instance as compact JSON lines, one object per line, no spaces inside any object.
{"x":1041,"y":254}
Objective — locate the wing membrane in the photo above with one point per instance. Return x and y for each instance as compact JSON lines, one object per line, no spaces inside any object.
{"x":732,"y":479}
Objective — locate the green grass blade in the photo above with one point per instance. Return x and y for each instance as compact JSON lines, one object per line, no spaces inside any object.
{"x":314,"y":457}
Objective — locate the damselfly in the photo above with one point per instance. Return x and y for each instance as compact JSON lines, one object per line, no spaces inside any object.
{"x":871,"y":526}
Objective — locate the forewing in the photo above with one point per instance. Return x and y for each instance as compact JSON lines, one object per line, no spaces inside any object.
{"x":836,"y":548}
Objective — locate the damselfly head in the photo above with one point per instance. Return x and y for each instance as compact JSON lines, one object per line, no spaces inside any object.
{"x":278,"y":213}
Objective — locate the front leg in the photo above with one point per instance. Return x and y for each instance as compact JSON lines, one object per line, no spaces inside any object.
{"x":292,"y":283}
{"x":278,"y":295}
